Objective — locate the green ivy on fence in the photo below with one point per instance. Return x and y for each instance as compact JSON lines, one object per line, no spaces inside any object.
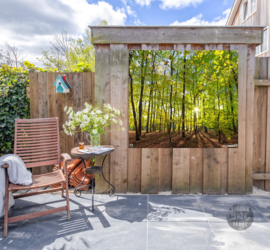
{"x":14,"y":103}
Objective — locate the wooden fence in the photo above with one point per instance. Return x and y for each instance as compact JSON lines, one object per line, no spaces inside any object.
{"x":195,"y":170}
{"x":45,"y":102}
{"x":262,"y":123}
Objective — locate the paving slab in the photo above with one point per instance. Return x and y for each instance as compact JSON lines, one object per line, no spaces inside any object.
{"x":175,"y":208}
{"x":137,"y":222}
{"x":216,"y":207}
{"x":256,"y":237}
{"x":181,"y":235}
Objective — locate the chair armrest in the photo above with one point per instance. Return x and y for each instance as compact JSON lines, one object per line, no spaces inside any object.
{"x":66,"y":157}
{"x":5,"y":166}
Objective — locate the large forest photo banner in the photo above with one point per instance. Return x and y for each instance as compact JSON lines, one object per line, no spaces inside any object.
{"x":183,"y":99}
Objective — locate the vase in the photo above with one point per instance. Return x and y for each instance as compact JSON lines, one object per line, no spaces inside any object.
{"x":94,"y":140}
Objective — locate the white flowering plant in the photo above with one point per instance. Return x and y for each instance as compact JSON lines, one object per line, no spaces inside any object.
{"x":92,"y":119}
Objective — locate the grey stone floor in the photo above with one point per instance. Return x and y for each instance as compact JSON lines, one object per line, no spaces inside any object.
{"x":138,"y":222}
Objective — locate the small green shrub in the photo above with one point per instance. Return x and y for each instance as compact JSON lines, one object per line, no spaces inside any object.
{"x":14,"y":103}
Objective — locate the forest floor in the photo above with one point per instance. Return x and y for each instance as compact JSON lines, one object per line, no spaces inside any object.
{"x":161,"y":140}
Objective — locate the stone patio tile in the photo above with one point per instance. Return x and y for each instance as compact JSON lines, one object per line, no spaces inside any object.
{"x":216,"y":207}
{"x":27,"y":205}
{"x":119,"y":236}
{"x":50,"y":234}
{"x":256,"y":237}
{"x":181,"y":235}
{"x":261,"y":203}
{"x":175,"y":208}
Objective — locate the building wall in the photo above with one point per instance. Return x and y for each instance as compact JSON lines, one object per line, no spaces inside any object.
{"x":260,"y":17}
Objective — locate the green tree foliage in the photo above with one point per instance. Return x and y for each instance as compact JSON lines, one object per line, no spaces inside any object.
{"x":14,"y":103}
{"x":183,"y":91}
{"x":70,"y":54}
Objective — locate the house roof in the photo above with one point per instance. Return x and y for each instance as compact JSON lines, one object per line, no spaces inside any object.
{"x":233,"y":12}
{"x":65,"y":83}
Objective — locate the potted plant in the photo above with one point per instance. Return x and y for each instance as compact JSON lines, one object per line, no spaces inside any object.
{"x":92,"y":120}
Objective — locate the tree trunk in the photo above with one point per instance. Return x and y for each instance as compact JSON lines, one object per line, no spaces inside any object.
{"x":141,"y":95}
{"x":132,"y":100}
{"x":183,"y":99}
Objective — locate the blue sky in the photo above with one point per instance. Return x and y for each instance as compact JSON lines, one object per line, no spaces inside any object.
{"x":30,"y":24}
{"x":154,"y":14}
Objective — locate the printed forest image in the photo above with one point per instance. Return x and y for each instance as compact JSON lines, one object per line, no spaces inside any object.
{"x":183,"y":99}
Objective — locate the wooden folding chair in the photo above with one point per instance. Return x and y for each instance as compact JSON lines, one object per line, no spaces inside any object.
{"x":36,"y":141}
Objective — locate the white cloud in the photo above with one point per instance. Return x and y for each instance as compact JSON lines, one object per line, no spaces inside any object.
{"x":29,"y":26}
{"x":138,"y":22}
{"x":170,"y":4}
{"x":179,"y":4}
{"x":198,"y":20}
{"x":130,"y":11}
{"x":144,"y":2}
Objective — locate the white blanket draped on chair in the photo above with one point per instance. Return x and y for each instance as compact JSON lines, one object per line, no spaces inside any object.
{"x":18,"y":174}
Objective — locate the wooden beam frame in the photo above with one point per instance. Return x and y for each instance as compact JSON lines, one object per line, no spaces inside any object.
{"x":180,"y":34}
{"x":258,"y":82}
{"x":235,"y":165}
{"x":261,"y":176}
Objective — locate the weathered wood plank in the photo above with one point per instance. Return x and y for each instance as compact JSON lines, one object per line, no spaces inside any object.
{"x":195,"y":35}
{"x":33,"y":84}
{"x":234,"y":178}
{"x":180,"y":173}
{"x":150,"y":47}
{"x":165,"y":169}
{"x":42,"y":106}
{"x":134,"y":47}
{"x":42,"y":95}
{"x":78,"y":102}
{"x":260,"y":133}
{"x":166,"y":46}
{"x":214,"y":47}
{"x":51,"y":95}
{"x":197,"y":47}
{"x":86,"y":96}
{"x":134,"y":169}
{"x":196,"y":170}
{"x":102,"y":95}
{"x":182,"y":47}
{"x":223,"y":170}
{"x":212,"y":164}
{"x":69,"y":103}
{"x":149,"y":179}
{"x":51,"y":105}
{"x":34,"y":110}
{"x":242,"y":113}
{"x":267,"y":165}
{"x":250,"y":71}
{"x":60,"y":105}
{"x":260,"y":82}
{"x":119,"y":100}
{"x":262,"y":176}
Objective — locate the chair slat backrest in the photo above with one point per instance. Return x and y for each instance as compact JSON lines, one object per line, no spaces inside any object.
{"x":37,"y":141}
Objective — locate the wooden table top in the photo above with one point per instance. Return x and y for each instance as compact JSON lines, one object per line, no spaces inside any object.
{"x":75,"y":151}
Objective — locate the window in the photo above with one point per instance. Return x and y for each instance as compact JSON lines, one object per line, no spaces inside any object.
{"x":245,"y":10}
{"x":264,"y":46}
{"x":253,"y":6}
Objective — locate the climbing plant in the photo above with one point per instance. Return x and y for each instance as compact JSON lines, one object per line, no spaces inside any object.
{"x":14,"y":103}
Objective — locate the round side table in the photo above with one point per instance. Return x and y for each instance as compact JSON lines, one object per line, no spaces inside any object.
{"x":93,"y":169}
